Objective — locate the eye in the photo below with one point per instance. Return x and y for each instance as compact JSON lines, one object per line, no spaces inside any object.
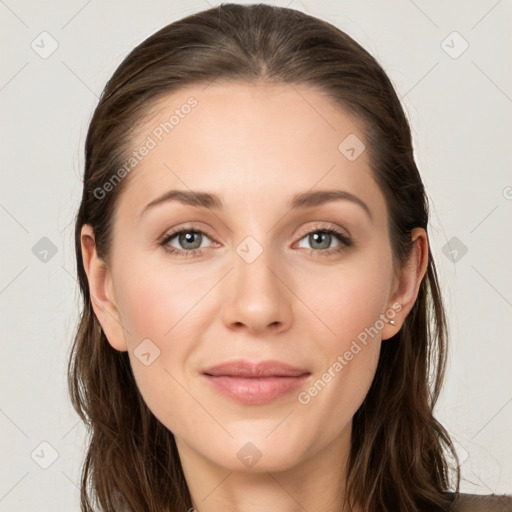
{"x":320,"y":237}
{"x":188,"y":237}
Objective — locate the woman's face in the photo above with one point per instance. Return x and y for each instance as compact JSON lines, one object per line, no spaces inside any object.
{"x":267,"y":282}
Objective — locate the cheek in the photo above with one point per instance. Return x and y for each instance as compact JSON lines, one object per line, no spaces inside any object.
{"x":350,"y":353}
{"x":160,"y":338}
{"x":349,"y":303}
{"x":154,"y":301}
{"x":348,"y":300}
{"x":160,"y":307}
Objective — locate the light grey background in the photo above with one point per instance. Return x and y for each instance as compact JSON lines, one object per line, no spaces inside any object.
{"x":460,"y":108}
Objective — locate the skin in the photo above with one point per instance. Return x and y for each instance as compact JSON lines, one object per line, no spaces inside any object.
{"x":293,"y":303}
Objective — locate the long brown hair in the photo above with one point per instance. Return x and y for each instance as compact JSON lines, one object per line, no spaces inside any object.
{"x":399,"y":453}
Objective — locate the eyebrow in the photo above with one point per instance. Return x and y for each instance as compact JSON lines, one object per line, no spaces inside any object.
{"x":212,"y":201}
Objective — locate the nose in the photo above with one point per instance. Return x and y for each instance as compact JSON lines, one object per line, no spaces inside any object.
{"x":258,"y":298}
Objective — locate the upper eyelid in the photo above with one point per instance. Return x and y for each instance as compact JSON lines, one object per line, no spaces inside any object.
{"x":321,"y":226}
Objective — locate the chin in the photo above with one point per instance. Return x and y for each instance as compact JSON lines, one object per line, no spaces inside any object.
{"x":254,"y":456}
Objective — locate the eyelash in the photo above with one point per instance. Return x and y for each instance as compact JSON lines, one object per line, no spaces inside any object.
{"x":345,"y":241}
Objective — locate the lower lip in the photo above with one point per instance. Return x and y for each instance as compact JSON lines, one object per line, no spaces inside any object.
{"x":255,"y":391}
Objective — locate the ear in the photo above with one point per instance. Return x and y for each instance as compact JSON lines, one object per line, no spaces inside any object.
{"x":102,"y":291}
{"x":407,"y":284}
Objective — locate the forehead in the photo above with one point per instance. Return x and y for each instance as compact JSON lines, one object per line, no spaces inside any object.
{"x":247,"y":143}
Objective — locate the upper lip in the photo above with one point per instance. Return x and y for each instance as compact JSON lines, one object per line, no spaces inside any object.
{"x":242,"y":368}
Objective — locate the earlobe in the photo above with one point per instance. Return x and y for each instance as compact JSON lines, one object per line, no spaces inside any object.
{"x":101,"y":291}
{"x":408,"y":282}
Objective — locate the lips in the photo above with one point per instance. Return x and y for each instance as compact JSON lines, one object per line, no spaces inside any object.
{"x":242,"y":368}
{"x":255,"y":383}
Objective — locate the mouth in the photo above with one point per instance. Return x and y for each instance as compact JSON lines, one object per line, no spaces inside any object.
{"x":255,"y":383}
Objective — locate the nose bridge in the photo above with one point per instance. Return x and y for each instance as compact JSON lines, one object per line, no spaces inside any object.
{"x":253,"y":251}
{"x":256,"y":288}
{"x":254,"y":267}
{"x":256,"y":263}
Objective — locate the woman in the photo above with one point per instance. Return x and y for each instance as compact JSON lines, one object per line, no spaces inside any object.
{"x":248,"y":371}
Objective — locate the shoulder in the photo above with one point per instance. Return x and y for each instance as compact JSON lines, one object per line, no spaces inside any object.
{"x":463,"y":502}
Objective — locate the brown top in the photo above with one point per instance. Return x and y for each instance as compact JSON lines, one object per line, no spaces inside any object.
{"x":482,"y":503}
